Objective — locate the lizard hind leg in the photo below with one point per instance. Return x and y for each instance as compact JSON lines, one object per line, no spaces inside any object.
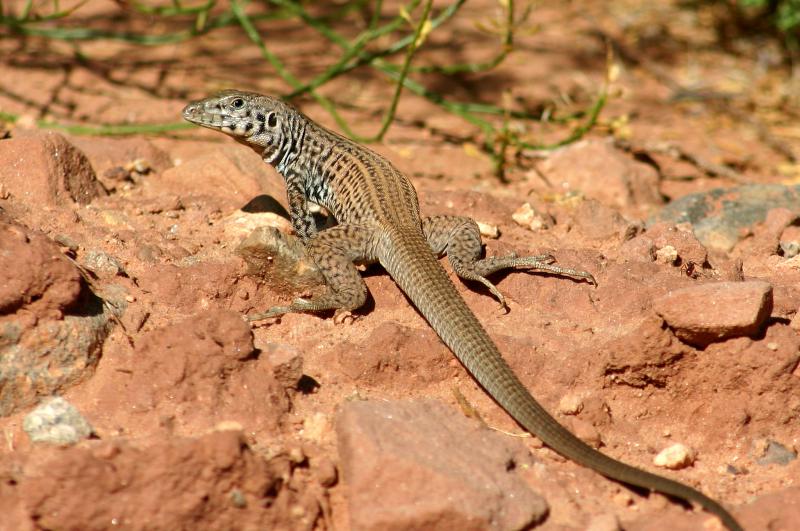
{"x":333,"y":250}
{"x":460,"y":238}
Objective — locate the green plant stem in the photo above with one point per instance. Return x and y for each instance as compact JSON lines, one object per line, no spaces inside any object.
{"x":103,"y":130}
{"x":388,"y":117}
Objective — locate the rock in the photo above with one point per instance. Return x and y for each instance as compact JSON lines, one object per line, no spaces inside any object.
{"x":790,"y":249}
{"x":775,"y":223}
{"x":177,"y":483}
{"x":527,"y":216}
{"x":596,"y":221}
{"x":667,"y":255}
{"x":56,"y":421}
{"x":570,"y":405}
{"x":720,"y":216}
{"x":705,"y":313}
{"x":43,"y":168}
{"x":287,"y":363}
{"x":639,"y":249}
{"x":586,"y":432}
{"x":604,"y":522}
{"x":281,"y":259}
{"x":51,"y":330}
{"x":643,"y":354}
{"x":325,"y":471}
{"x":600,"y":171}
{"x":419,"y":465}
{"x":232,"y":173}
{"x":33,"y":272}
{"x":48,"y":356}
{"x":203,"y":370}
{"x":689,"y":251}
{"x":795,"y":322}
{"x":674,"y":457}
{"x":102,"y":263}
{"x":239,"y":225}
{"x":488,"y":230}
{"x":779,"y":510}
{"x":107,"y":154}
{"x":316,"y":427}
{"x":776,"y":454}
{"x":392,"y":347}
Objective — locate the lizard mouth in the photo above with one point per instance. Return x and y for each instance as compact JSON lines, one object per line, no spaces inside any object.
{"x":196,"y":114}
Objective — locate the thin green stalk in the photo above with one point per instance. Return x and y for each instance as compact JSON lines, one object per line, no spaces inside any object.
{"x":423,"y":27}
{"x":175,"y":9}
{"x":83,"y":34}
{"x":579,"y":131}
{"x":280,"y":68}
{"x":103,"y":130}
{"x":507,"y":46}
{"x":351,"y":50}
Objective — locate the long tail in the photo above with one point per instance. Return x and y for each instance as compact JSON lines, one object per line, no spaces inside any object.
{"x":409,"y":260}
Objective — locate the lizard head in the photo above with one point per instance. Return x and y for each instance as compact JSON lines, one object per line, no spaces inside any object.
{"x":252,"y":119}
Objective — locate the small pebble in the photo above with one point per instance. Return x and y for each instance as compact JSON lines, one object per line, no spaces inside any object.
{"x":238,"y":499}
{"x":102,"y":263}
{"x":790,"y":249}
{"x":604,"y":522}
{"x":674,"y":457}
{"x":488,"y":230}
{"x":570,"y":405}
{"x":528,"y":217}
{"x":667,"y":255}
{"x":56,"y":421}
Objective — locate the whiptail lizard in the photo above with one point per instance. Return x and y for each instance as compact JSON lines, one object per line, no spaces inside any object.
{"x":377,"y":211}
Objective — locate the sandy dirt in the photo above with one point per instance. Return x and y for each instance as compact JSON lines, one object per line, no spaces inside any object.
{"x":122,"y":286}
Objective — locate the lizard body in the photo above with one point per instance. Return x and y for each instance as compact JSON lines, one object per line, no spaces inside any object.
{"x":378,"y":217}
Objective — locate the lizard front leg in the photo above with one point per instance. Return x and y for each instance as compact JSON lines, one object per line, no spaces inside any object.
{"x":460,"y":239}
{"x":299,"y":213}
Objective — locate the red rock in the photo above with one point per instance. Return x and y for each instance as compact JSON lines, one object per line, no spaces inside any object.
{"x":600,"y":171}
{"x":690,"y":250}
{"x":212,"y":482}
{"x":43,"y":348}
{"x":419,"y":465}
{"x":42,"y":168}
{"x":645,"y":355}
{"x":706,"y":313}
{"x":235,"y":174}
{"x":202,"y":371}
{"x":596,"y":221}
{"x":639,"y":249}
{"x":390,"y":348}
{"x":33,"y":272}
{"x":779,"y":510}
{"x":287,"y":363}
{"x":108,"y":153}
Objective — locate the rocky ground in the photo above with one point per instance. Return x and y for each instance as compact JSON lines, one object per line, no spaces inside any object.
{"x":134,"y":396}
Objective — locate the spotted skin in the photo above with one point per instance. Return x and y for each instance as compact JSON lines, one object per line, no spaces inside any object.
{"x":378,"y":214}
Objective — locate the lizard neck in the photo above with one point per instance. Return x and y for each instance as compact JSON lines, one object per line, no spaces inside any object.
{"x":286,"y":155}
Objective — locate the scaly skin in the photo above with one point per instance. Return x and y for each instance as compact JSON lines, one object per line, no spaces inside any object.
{"x":378,"y":214}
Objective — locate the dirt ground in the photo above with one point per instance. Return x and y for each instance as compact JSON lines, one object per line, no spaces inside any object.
{"x":122,"y":286}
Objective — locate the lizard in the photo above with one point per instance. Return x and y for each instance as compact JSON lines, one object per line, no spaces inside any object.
{"x":378,"y":220}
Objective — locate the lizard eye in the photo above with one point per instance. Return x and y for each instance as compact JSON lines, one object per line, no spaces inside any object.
{"x":272,"y":120}
{"x":238,"y":103}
